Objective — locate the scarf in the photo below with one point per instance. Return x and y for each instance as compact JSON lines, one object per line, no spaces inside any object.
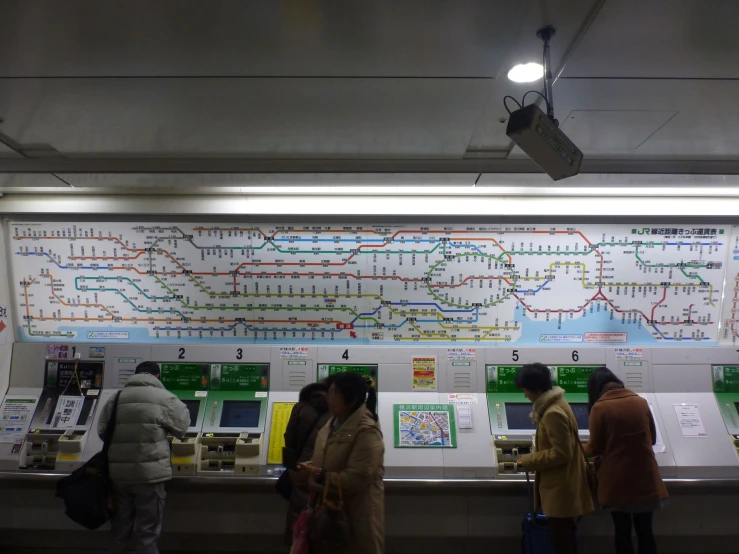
{"x":544,"y":401}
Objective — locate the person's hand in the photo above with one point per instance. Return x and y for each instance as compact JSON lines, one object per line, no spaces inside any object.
{"x":520,"y":462}
{"x":303,"y":473}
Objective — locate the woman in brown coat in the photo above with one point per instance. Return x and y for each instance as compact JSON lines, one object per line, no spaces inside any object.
{"x":622,"y":433}
{"x":350,"y":450}
{"x":561,"y":484}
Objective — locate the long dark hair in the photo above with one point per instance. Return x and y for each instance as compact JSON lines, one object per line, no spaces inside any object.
{"x":597,"y":382}
{"x":356,"y":390}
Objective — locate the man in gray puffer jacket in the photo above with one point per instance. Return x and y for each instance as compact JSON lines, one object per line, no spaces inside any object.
{"x":138,"y":458}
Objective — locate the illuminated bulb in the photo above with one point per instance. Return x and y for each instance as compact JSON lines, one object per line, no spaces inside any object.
{"x":526,"y":72}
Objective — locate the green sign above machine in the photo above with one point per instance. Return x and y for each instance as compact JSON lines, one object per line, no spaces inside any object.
{"x":239,"y":377}
{"x":185,"y":376}
{"x":725,"y":378}
{"x":367,"y":370}
{"x":215,"y":377}
{"x":573,"y":379}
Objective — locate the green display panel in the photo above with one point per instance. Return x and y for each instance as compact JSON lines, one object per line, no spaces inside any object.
{"x":425,"y":426}
{"x":725,"y":378}
{"x":501,"y":378}
{"x":368,"y":370}
{"x":184,"y":376}
{"x":573,"y":379}
{"x":239,"y":377}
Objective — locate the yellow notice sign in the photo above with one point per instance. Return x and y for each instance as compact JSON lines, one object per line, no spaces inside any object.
{"x":181,"y":461}
{"x":424,"y":374}
{"x":68,"y":457}
{"x":280,"y":416}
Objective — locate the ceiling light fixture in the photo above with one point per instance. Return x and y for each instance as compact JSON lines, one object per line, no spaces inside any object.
{"x":526,"y":72}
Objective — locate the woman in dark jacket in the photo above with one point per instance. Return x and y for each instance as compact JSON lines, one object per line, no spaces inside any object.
{"x":306,"y":419}
{"x":622,"y":433}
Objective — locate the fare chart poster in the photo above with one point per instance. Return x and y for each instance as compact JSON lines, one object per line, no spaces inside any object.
{"x":347,"y":284}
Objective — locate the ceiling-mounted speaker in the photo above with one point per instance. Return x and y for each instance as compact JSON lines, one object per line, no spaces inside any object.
{"x":545,"y":143}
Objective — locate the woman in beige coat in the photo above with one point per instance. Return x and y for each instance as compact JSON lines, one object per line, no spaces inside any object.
{"x":561,"y":485}
{"x":350,"y":449}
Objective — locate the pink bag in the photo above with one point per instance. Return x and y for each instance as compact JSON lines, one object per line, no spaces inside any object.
{"x":301,"y":544}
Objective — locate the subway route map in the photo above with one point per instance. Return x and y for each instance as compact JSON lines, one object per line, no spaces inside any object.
{"x":490,"y":284}
{"x":730,"y":311}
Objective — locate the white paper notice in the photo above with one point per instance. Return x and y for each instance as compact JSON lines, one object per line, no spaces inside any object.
{"x":67,"y":412}
{"x":293,"y":352}
{"x":462,"y":398}
{"x":689,"y":419}
{"x":461,"y":353}
{"x":624,"y":353}
{"x":15,"y":416}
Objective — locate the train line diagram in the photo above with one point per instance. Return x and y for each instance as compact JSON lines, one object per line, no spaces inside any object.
{"x":491,"y":284}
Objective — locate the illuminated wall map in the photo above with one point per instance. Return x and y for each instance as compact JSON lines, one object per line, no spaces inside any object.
{"x":369,"y":284}
{"x":730,"y":312}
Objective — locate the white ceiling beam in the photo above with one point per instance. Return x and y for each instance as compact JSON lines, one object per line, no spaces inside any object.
{"x":482,"y":207}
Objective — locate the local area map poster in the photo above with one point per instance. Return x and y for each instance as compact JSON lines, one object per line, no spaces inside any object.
{"x":424,"y":426}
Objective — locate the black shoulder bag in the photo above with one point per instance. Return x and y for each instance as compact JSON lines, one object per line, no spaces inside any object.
{"x":87,"y":489}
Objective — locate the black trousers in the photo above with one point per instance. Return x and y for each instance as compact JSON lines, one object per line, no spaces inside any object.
{"x":642,"y":523}
{"x":563,"y":530}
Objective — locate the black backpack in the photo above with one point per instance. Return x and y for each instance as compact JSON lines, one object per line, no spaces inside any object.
{"x":86,"y":491}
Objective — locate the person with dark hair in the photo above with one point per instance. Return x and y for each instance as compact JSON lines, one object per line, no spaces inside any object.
{"x":139,"y":457}
{"x":307,"y":418}
{"x":561,"y":487}
{"x":349,"y":455}
{"x":622,"y":433}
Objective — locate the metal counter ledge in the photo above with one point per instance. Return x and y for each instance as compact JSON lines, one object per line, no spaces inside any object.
{"x":714,"y":486}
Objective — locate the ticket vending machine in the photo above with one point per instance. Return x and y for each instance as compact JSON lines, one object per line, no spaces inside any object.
{"x":634,"y":367}
{"x":726,"y":388}
{"x":189,"y":382}
{"x":509,"y":411}
{"x":236,"y":410}
{"x":63,"y":420}
{"x":694,"y":424}
{"x":29,"y":378}
{"x":511,"y":427}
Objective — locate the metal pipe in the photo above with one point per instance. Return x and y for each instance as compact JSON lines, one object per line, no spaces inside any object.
{"x":546,"y":34}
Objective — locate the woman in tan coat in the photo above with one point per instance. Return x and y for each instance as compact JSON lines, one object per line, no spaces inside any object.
{"x":561,"y":484}
{"x":622,"y":432}
{"x":349,"y":450}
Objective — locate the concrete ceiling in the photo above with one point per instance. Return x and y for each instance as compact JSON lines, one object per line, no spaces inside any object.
{"x":91,"y":87}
